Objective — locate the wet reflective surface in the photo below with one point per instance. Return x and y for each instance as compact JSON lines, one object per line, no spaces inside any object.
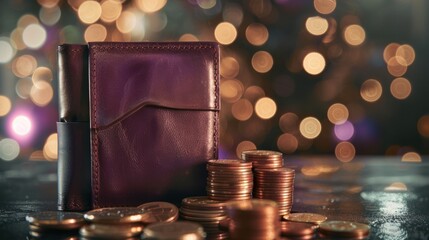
{"x":389,"y":195}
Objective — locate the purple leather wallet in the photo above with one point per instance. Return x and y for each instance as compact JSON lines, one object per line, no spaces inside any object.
{"x":154,"y":116}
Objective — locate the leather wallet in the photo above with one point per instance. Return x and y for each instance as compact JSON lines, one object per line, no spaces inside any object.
{"x":153,"y":122}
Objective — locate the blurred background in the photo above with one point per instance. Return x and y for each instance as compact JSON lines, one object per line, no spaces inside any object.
{"x":346,"y":78}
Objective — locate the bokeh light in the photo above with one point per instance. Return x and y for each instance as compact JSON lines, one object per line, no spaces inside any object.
{"x":9,"y":149}
{"x":423,"y":126}
{"x":21,"y":125}
{"x":325,"y":6}
{"x":229,"y":67}
{"x":253,"y":93}
{"x":316,"y":25}
{"x":126,"y":22}
{"x":338,"y":113}
{"x":344,"y":131}
{"x":5,"y":105}
{"x":242,"y":110}
{"x":233,"y":13}
{"x":371,"y":90}
{"x":405,"y":55}
{"x":6,"y":50}
{"x":310,"y":127}
{"x":411,"y":157}
{"x":390,"y":51}
{"x":206,"y":4}
{"x":151,"y":6}
{"x":187,"y":37}
{"x":314,"y":63}
{"x":287,"y":143}
{"x":41,"y":93}
{"x":24,"y":66}
{"x":395,"y":68}
{"x":89,"y":12}
{"x":400,"y":88}
{"x":95,"y":33}
{"x":50,"y":16}
{"x":50,"y":149}
{"x":225,"y":33}
{"x":262,"y":61}
{"x":289,"y":122}
{"x":244,"y":146}
{"x":265,"y":108}
{"x":231,"y":90}
{"x":257,"y":34}
{"x":34,"y":36}
{"x":48,"y":3}
{"x":42,"y":74}
{"x":354,"y":35}
{"x":23,"y":87}
{"x":110,"y":10}
{"x":345,"y":151}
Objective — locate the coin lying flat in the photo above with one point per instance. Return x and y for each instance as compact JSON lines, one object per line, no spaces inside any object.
{"x":109,"y":231}
{"x":160,"y":212}
{"x":174,"y":230}
{"x":344,"y":229}
{"x":295,"y":229}
{"x":305,"y":217}
{"x":56,"y":220}
{"x":117,"y":215}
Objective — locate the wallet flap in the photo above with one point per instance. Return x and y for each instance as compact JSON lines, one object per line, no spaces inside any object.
{"x":134,"y":75}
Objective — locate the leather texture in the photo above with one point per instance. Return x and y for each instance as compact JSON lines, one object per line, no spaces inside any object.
{"x":73,"y":83}
{"x":74,"y":162}
{"x":154,"y":110}
{"x":74,"y":166}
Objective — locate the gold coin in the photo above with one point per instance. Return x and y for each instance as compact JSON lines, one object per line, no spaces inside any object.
{"x":344,"y":229}
{"x":117,"y":215}
{"x":56,"y":220}
{"x":306,"y":217}
{"x":258,"y":153}
{"x":230,"y":162}
{"x":111,"y":231}
{"x":159,"y":212}
{"x":202,"y":202}
{"x":174,"y":230}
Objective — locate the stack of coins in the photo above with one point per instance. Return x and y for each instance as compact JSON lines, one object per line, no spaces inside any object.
{"x":277,"y":185}
{"x":206,"y":212}
{"x":263,"y":158}
{"x":51,"y":223}
{"x":174,"y":230}
{"x":229,"y":180}
{"x":344,"y":229}
{"x":253,"y":219}
{"x":119,"y":222}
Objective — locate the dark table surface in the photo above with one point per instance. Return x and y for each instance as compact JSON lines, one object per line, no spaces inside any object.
{"x":389,"y":195}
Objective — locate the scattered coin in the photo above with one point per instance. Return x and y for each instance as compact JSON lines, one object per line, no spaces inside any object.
{"x":344,"y":229}
{"x":108,"y":231}
{"x":117,"y":215}
{"x":174,"y":230}
{"x":305,"y":217}
{"x":159,"y":212}
{"x":55,"y":220}
{"x":297,"y":229}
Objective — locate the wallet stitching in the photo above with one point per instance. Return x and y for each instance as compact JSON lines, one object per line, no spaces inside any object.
{"x":96,"y":48}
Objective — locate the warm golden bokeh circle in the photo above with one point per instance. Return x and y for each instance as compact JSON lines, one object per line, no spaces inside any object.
{"x":400,"y":88}
{"x":287,"y":143}
{"x":244,"y":146}
{"x":310,"y":127}
{"x":265,"y":108}
{"x":316,"y":25}
{"x":371,"y":90}
{"x":262,"y":61}
{"x":345,"y":151}
{"x":338,"y":113}
{"x":225,"y":33}
{"x":314,"y":63}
